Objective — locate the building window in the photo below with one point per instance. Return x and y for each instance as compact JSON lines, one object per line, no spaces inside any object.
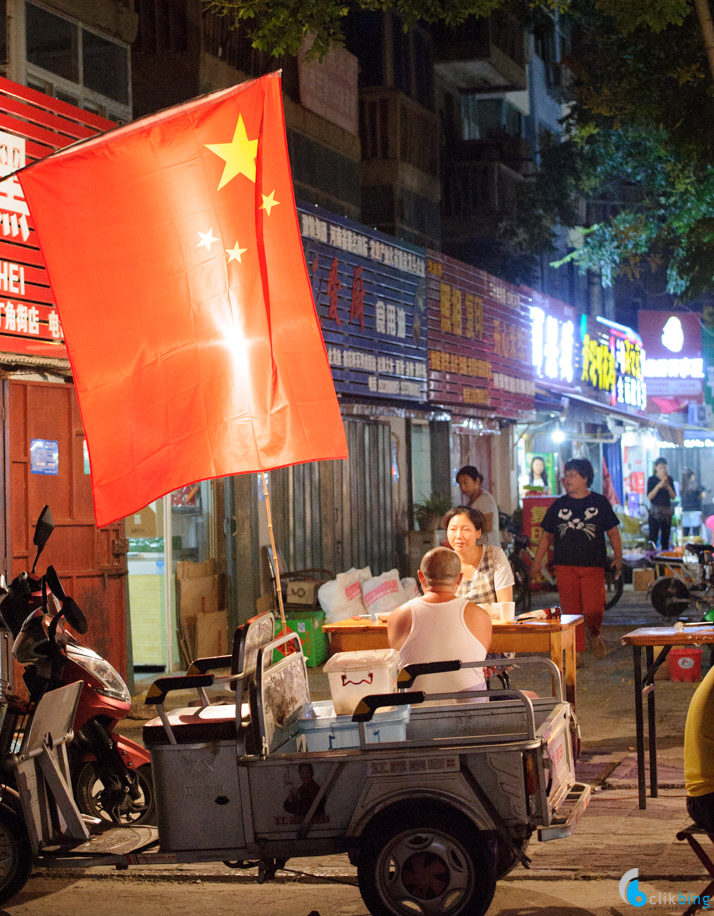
{"x":489,"y":119}
{"x":163,"y":26}
{"x":67,"y":60}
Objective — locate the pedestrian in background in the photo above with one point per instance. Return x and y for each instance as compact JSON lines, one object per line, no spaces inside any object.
{"x":470,"y":481}
{"x":575,"y":526}
{"x":660,"y":492}
{"x":691,"y":493}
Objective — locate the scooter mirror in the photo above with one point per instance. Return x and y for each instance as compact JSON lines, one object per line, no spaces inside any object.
{"x":43,"y":529}
{"x":54,"y":583}
{"x":74,"y":616}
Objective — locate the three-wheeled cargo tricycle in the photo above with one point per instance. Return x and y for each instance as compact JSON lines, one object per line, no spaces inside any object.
{"x":431,"y":815}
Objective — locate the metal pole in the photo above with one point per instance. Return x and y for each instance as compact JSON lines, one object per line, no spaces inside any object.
{"x":276,"y":564}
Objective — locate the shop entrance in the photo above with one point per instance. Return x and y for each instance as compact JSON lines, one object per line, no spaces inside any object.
{"x":170,"y":539}
{"x":46,"y":463}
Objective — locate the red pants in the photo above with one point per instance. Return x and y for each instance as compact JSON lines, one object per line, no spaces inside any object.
{"x":581,"y":590}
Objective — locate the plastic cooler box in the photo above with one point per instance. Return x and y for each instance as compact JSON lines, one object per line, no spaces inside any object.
{"x":308,"y":626}
{"x":685,"y":663}
{"x":321,"y":730}
{"x":354,"y":675}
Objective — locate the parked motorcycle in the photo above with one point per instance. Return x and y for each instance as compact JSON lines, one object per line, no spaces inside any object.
{"x":110,"y":773}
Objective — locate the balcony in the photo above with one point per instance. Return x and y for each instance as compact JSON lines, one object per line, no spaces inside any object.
{"x":394,"y":128}
{"x":476,"y":196}
{"x":483,"y":55}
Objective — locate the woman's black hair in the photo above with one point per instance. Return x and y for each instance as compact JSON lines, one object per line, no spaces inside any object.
{"x":469,"y":470}
{"x":475,"y":516}
{"x":581,"y":466}
{"x":543,"y":473}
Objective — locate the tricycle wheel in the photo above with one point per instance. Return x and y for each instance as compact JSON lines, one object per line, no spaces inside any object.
{"x":426,"y":864}
{"x":669,"y":596}
{"x":100,"y":794}
{"x":15,"y":854}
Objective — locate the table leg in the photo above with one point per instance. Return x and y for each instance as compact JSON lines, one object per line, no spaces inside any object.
{"x":651,"y":726}
{"x":556,"y":656}
{"x":640,"y":725}
{"x":568,"y":643}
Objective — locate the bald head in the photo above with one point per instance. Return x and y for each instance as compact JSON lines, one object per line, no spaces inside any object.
{"x":441,"y":566}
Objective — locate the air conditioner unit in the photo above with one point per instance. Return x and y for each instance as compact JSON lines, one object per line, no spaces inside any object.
{"x":697,"y":414}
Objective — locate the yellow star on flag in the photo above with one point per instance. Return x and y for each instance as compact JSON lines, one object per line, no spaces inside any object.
{"x":269,"y":202}
{"x":239,"y":154}
{"x":235,"y":253}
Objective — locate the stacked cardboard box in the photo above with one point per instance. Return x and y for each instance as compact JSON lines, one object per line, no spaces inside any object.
{"x":203,"y":619}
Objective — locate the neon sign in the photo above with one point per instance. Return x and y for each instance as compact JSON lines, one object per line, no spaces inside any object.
{"x":552,"y":346}
{"x":675,"y":368}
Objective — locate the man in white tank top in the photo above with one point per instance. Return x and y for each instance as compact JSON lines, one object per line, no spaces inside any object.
{"x":441,"y":627}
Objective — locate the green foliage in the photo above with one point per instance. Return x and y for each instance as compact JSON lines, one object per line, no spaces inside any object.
{"x":430,"y":511}
{"x":640,"y":135}
{"x":280,"y":26}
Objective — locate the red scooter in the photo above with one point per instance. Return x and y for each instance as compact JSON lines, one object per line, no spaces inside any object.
{"x":111,"y":774}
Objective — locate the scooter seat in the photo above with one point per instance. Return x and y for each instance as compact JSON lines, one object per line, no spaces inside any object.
{"x":196,"y":725}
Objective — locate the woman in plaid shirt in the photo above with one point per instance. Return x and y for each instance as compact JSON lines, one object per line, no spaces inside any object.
{"x":487,"y":573}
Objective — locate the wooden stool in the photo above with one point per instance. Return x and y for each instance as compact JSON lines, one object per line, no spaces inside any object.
{"x":690,"y":834}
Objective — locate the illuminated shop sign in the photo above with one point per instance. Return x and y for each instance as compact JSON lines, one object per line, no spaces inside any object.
{"x":611,"y":362}
{"x":674,"y":353}
{"x":552,"y":340}
{"x":675,"y":368}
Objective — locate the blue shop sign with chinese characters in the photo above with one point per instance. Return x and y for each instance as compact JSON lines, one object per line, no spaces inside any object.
{"x":369,"y":290}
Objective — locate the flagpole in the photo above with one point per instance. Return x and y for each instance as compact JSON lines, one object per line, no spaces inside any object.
{"x":276,"y":562}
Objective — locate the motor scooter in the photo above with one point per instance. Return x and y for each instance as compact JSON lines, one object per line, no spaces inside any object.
{"x":111,"y":774}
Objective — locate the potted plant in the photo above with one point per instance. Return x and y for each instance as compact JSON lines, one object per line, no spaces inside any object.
{"x":429,"y":513}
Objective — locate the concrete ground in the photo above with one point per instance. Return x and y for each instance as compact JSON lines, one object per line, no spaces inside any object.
{"x":576,"y":875}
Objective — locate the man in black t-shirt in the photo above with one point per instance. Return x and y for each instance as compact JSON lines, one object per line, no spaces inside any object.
{"x":660,"y":492}
{"x":576,"y":525}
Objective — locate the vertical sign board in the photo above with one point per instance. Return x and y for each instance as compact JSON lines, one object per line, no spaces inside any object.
{"x":555,"y":345}
{"x":479,"y":343}
{"x":369,"y":293}
{"x":611,"y":365}
{"x":32,"y":125}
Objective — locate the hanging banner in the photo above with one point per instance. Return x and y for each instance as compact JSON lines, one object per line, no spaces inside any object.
{"x":369,"y":292}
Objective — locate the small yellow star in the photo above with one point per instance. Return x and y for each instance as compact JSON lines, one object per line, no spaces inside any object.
{"x":269,"y":202}
{"x":207,"y":240}
{"x":239,"y":154}
{"x":235,"y":253}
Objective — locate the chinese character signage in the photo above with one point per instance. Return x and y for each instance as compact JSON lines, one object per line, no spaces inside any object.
{"x":553,"y":338}
{"x":35,"y":125}
{"x":673,"y":342}
{"x":479,"y":342}
{"x":611,"y":364}
{"x":369,"y":293}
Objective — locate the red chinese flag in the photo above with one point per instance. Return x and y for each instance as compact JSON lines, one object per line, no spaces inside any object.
{"x":174,"y":255}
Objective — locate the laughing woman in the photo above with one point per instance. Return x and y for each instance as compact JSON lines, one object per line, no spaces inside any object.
{"x":487,"y":573}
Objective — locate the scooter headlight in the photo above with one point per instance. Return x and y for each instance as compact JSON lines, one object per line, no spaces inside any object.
{"x":112,"y":683}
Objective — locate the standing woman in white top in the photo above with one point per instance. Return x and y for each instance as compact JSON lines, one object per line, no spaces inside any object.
{"x":487,"y":575}
{"x":470,"y":482}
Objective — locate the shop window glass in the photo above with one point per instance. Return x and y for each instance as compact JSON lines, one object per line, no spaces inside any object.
{"x":52,"y":43}
{"x":106,"y":67}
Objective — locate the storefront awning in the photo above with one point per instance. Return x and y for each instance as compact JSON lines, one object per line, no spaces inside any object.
{"x":669,"y":433}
